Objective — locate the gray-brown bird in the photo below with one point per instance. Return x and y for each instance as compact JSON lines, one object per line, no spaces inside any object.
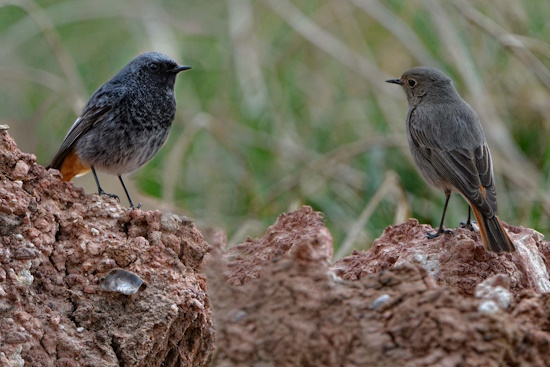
{"x":449,"y":147}
{"x":124,"y":123}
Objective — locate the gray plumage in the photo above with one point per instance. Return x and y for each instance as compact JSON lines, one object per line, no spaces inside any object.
{"x":448,"y":145}
{"x":126,"y":120}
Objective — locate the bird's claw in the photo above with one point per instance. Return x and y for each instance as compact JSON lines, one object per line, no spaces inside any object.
{"x":103,"y":193}
{"x":467,"y":225}
{"x":432,"y":235}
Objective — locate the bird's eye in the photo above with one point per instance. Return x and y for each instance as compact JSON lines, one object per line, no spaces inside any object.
{"x":153,"y":66}
{"x":411,"y":82}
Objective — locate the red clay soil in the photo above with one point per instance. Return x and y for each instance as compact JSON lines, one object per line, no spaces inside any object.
{"x":380,"y":307}
{"x":459,"y":261}
{"x":56,"y":243}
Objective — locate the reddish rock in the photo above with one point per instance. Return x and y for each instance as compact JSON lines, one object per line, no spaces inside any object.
{"x":378,"y":308}
{"x":458,"y":261}
{"x":57,"y":243}
{"x":304,"y":225}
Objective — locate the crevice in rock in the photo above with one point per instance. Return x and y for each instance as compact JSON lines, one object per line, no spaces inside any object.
{"x":71,"y":314}
{"x":116,"y":348}
{"x":172,"y":358}
{"x":58,"y":233}
{"x":393,"y":339}
{"x":125,"y":229}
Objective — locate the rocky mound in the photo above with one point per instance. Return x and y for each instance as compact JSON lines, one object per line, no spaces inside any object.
{"x":459,"y":261}
{"x":56,"y":246}
{"x":408,"y":301}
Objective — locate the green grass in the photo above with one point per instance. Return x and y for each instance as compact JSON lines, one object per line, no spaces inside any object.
{"x":286,"y":103}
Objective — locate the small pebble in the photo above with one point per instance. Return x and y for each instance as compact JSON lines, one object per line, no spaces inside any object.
{"x":380,"y":301}
{"x":121,"y":281}
{"x":240,"y":315}
{"x":488,"y":307}
{"x":20,"y":171}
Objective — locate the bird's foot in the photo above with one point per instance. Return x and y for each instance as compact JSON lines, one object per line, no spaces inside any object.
{"x":468,"y":225}
{"x":132,"y":206}
{"x":103,"y":193}
{"x":441,"y":230}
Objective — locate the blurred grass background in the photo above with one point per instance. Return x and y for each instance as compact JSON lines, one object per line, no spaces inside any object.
{"x":286,"y":103}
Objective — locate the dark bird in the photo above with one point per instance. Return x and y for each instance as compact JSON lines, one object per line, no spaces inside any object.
{"x":124,"y":123}
{"x":449,"y":147}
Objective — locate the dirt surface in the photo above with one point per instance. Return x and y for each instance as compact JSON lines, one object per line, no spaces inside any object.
{"x":380,"y":307}
{"x":249,"y":258}
{"x":58,"y":243}
{"x":273,"y":301}
{"x":457,"y":261}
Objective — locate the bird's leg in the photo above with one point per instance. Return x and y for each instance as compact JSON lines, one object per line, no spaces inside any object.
{"x":100,"y":190}
{"x":127,"y":194}
{"x":441,"y":229}
{"x":468,"y":223}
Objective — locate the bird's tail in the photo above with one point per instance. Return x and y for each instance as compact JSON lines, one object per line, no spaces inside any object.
{"x":493,"y":234}
{"x":69,"y":165}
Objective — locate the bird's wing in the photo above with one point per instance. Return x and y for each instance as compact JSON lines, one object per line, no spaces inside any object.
{"x":96,"y":111}
{"x":468,"y":168}
{"x":485,"y":169}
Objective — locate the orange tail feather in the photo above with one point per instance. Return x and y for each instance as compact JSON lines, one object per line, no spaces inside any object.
{"x":72,"y":166}
{"x":493,"y":234}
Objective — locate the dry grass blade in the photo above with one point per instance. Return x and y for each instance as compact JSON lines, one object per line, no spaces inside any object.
{"x":401,"y":30}
{"x":331,"y":165}
{"x":534,"y":44}
{"x":240,"y":235}
{"x":341,"y":52}
{"x":505,"y":38}
{"x":388,"y":186}
{"x":161,"y":34}
{"x":174,"y":161}
{"x":44,"y":78}
{"x":245,"y":55}
{"x":64,"y":59}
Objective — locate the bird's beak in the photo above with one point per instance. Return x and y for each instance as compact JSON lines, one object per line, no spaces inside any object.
{"x":177,"y":69}
{"x":395,"y":81}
